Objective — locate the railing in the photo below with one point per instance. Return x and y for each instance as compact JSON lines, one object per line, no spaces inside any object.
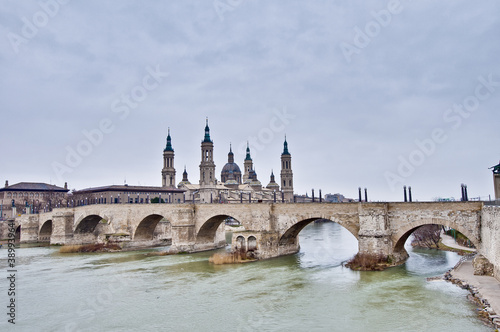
{"x":71,"y":204}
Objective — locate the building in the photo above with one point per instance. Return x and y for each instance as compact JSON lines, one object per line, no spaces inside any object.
{"x":286,"y":173}
{"x":31,"y":197}
{"x":496,"y":180}
{"x":168,"y":171}
{"x":337,"y":198}
{"x":235,"y":186}
{"x":125,"y":194}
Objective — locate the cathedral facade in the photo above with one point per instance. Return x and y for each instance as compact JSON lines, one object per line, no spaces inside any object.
{"x":234,"y":186}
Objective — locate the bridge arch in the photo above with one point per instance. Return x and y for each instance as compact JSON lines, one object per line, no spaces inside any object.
{"x":400,"y":238}
{"x":290,"y":236}
{"x":88,"y":224}
{"x":45,"y":231}
{"x":206,"y":236}
{"x":146,"y":228}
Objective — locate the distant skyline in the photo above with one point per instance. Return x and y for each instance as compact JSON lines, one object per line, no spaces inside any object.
{"x":376,"y":95}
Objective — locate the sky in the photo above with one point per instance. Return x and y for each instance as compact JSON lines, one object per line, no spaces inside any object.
{"x":375,"y":94}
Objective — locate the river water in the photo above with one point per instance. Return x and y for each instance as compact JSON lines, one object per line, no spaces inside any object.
{"x":309,"y":291}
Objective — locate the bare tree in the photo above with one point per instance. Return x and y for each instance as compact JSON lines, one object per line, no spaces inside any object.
{"x":427,"y":236}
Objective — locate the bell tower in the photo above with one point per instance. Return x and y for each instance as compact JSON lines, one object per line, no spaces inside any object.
{"x":168,"y":171}
{"x":247,"y":165}
{"x":286,"y":173}
{"x":207,"y":165}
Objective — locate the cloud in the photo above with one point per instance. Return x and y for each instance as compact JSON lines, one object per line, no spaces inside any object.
{"x":352,"y":122}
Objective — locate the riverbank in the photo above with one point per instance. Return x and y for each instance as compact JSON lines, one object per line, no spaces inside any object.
{"x":450,"y":242}
{"x":484,"y":290}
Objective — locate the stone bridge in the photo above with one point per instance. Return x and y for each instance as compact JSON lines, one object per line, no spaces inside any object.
{"x":271,"y":230}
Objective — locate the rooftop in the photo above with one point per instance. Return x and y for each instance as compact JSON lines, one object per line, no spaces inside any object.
{"x":33,"y":186}
{"x":129,"y":188}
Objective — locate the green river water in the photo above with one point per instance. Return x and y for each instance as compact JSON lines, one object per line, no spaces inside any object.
{"x":309,"y":291}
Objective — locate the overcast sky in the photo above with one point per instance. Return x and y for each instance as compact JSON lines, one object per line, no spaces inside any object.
{"x":375,"y":95}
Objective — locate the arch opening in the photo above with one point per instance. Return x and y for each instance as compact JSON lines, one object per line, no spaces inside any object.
{"x":400,"y":243}
{"x":240,"y":243}
{"x":290,"y":237}
{"x":212,"y":234}
{"x":319,"y":242}
{"x":45,"y":232}
{"x":17,"y":237}
{"x":252,"y":243}
{"x":88,"y":224}
{"x":147,"y":228}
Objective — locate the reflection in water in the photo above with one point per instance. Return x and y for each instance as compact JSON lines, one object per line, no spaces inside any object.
{"x":309,"y":291}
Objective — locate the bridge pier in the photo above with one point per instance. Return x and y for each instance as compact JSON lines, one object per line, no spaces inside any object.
{"x":62,"y":228}
{"x":29,"y":228}
{"x":262,"y":244}
{"x":381,"y":246}
{"x":375,"y":234}
{"x":183,"y":238}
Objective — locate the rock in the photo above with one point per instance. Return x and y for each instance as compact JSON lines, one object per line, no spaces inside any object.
{"x":482,"y":267}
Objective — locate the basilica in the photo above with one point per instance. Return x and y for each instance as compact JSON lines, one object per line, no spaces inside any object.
{"x":234,"y":186}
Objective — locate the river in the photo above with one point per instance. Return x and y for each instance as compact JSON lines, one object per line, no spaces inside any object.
{"x":309,"y":291}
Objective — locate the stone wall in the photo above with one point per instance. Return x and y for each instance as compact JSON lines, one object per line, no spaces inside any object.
{"x":490,"y":237}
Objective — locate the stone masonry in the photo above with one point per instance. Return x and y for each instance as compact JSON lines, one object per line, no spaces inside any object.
{"x":271,"y":229}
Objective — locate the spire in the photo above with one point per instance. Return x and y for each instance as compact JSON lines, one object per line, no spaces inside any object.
{"x":207,"y":133}
{"x":169,"y":142}
{"x":248,"y":152}
{"x":185,"y":175}
{"x":230,"y":155}
{"x":285,"y":148}
{"x":272,"y":177}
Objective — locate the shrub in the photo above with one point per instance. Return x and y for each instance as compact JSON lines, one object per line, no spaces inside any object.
{"x":368,"y":262}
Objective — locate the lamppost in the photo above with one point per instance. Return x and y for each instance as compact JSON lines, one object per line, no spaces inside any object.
{"x":160,"y":199}
{"x":128,"y":201}
{"x":111,"y":202}
{"x":118,"y":198}
{"x":137,"y":198}
{"x":147,"y":202}
{"x":102,"y":201}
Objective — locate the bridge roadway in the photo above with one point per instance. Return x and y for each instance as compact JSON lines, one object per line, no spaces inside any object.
{"x":271,"y":229}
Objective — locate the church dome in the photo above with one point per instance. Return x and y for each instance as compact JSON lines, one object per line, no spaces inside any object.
{"x":231,"y":167}
{"x":231,"y":171}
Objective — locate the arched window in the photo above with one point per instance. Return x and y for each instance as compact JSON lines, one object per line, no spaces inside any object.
{"x":240,"y":242}
{"x":252,"y":243}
